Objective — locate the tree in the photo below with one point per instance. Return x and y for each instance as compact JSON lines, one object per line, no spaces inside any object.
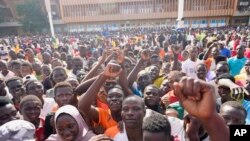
{"x":33,"y":18}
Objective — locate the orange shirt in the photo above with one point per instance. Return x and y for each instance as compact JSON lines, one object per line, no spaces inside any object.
{"x":105,"y":118}
{"x":208,"y":62}
{"x":112,"y":132}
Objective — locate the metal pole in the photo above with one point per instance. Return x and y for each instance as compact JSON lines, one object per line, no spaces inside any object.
{"x":48,"y":8}
{"x":180,"y":14}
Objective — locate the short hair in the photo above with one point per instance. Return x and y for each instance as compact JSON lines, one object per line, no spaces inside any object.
{"x":226,"y":76}
{"x":220,"y":58}
{"x":155,"y":56}
{"x":27,"y":64}
{"x":29,"y":98}
{"x":201,"y":64}
{"x":223,"y":63}
{"x":135,"y":97}
{"x":4,"y":101}
{"x":156,"y":123}
{"x":58,"y":68}
{"x":15,"y":62}
{"x":77,"y":59}
{"x":13,"y":79}
{"x":62,"y":84}
{"x":153,"y":86}
{"x":29,"y":82}
{"x":236,"y":105}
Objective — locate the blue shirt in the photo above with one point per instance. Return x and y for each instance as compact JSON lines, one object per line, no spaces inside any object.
{"x":246,"y":105}
{"x":235,"y":65}
{"x":225,"y":52}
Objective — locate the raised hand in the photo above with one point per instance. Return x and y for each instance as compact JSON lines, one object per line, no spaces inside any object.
{"x":237,"y":93}
{"x":196,"y":97}
{"x":120,"y":55}
{"x":145,"y":55}
{"x":112,"y":70}
{"x":176,"y":49}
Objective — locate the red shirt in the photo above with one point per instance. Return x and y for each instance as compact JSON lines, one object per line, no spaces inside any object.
{"x":40,"y":131}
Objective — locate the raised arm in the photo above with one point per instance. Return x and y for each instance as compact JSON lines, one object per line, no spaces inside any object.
{"x":133,"y":74}
{"x":197,"y":98}
{"x":106,"y":56}
{"x":210,"y":46}
{"x":123,"y":81}
{"x":176,"y":49}
{"x":83,"y":87}
{"x":88,"y":98}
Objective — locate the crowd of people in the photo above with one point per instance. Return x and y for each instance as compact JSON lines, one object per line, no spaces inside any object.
{"x":135,"y":85}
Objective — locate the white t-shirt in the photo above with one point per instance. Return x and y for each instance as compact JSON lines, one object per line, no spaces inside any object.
{"x":177,"y":129}
{"x":189,"y":68}
{"x":47,"y":106}
{"x":8,"y":76}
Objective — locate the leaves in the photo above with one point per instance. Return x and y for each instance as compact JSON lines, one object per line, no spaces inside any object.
{"x":33,"y":18}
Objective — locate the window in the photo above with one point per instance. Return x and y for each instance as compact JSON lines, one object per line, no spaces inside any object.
{"x":204,"y":21}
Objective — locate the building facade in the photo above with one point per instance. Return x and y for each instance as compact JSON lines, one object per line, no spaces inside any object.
{"x":96,"y":15}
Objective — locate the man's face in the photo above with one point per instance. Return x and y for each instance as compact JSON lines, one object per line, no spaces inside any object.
{"x":151,"y":96}
{"x":155,"y":61}
{"x":77,"y":65}
{"x":82,"y":51}
{"x":26,"y":70}
{"x":59,"y":75}
{"x":220,"y":69}
{"x":15,"y":88}
{"x":46,"y":58}
{"x":31,"y":110}
{"x":165,"y":88}
{"x":247,"y":66}
{"x":144,"y":80}
{"x":193,"y":53}
{"x":215,"y":52}
{"x":240,"y":50}
{"x":69,"y":61}
{"x":29,"y":53}
{"x":16,"y":69}
{"x":8,"y":113}
{"x":154,"y":72}
{"x":3,"y":66}
{"x":224,"y":93}
{"x":35,"y":88}
{"x":114,"y":99}
{"x":201,"y":71}
{"x":132,"y":113}
{"x":64,"y":96}
{"x":232,"y":116}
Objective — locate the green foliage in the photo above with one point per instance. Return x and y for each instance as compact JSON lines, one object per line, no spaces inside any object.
{"x":33,"y":18}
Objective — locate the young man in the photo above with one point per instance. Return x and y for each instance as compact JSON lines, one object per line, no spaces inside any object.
{"x":15,"y":86}
{"x":115,"y":96}
{"x":156,"y":127}
{"x":26,"y":69}
{"x":188,"y":66}
{"x":35,"y":87}
{"x":8,"y":111}
{"x":133,"y":112}
{"x":237,"y":63}
{"x":30,"y":108}
{"x":233,"y":113}
{"x":64,"y":95}
{"x":152,"y":98}
{"x":5,"y":73}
